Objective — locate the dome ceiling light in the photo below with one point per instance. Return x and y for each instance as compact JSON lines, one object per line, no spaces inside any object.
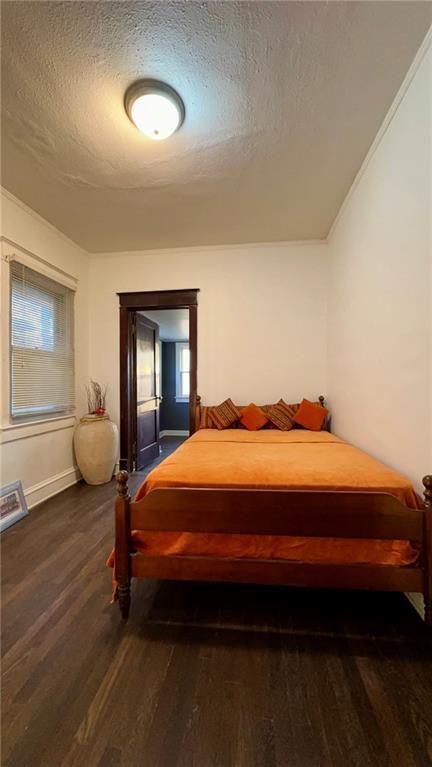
{"x":155,"y":108}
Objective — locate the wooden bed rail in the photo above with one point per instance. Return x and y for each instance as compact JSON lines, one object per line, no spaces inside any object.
{"x":274,"y":512}
{"x":277,"y":512}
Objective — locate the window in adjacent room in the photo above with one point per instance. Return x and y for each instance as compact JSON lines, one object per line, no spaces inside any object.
{"x":41,"y":345}
{"x":182,"y":371}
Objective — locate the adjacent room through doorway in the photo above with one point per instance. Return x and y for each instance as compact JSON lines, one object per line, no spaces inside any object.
{"x":173,"y":370}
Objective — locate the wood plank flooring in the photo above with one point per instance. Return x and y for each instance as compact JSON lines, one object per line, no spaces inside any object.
{"x":202,"y":675}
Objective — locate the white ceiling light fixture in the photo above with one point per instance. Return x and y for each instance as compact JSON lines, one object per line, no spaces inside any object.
{"x":155,"y":108}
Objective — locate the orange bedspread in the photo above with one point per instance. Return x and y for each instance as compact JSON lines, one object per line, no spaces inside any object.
{"x":272,"y":459}
{"x":279,"y":460}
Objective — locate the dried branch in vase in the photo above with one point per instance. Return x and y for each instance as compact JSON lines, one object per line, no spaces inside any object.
{"x":96,"y":398}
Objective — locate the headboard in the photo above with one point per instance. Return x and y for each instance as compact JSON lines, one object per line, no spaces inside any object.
{"x":321,"y":400}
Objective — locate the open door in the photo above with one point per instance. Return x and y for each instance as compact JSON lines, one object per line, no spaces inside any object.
{"x":147,"y":366}
{"x":132,"y":306}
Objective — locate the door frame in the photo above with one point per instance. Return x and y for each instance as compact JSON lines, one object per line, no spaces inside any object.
{"x":141,"y":301}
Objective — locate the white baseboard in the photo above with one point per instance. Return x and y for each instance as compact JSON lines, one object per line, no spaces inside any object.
{"x":417,"y":602}
{"x":51,"y":486}
{"x":173,"y":433}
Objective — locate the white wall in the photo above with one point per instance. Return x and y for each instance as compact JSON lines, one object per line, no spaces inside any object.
{"x":261,"y":316}
{"x":380,"y":315}
{"x":41,"y":455}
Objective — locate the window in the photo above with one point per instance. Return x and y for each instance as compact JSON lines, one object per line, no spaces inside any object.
{"x":182,"y":372}
{"x":41,"y":345}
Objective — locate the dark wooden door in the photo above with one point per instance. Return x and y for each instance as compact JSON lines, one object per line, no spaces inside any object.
{"x":147,"y":366}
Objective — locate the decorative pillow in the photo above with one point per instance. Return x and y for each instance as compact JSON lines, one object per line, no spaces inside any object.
{"x":253,"y":417}
{"x":206,"y":419}
{"x":282,"y":415}
{"x":225,"y":414}
{"x":265,"y":409}
{"x":310,"y":416}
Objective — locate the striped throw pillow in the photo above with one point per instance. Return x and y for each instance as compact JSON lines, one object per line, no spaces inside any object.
{"x":269,"y":424}
{"x":281,"y":415}
{"x":225,"y":414}
{"x":206,"y":421}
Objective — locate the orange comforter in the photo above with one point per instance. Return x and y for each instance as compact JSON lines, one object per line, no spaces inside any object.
{"x":294,"y":460}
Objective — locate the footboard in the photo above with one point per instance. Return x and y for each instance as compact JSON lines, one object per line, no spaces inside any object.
{"x":326,"y":514}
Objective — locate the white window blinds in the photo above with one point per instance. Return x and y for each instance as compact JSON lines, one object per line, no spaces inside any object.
{"x":41,"y":343}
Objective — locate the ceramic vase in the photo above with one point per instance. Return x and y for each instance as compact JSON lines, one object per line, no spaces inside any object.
{"x":96,"y":443}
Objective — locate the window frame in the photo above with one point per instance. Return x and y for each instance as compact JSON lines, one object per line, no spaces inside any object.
{"x":179,"y":346}
{"x":13,"y":428}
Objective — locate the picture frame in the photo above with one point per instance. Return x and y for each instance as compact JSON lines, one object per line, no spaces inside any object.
{"x":13,"y":506}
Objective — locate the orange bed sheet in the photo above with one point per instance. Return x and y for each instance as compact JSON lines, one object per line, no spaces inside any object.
{"x":294,"y":460}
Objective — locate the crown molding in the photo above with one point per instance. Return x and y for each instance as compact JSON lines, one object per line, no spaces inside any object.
{"x":40,"y":219}
{"x":388,"y":119}
{"x":185,"y":250}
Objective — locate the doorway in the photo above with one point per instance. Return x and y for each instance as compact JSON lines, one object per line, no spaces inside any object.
{"x":145,"y":411}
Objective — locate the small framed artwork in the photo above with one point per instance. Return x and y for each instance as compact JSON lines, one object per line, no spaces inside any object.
{"x":13,"y":506}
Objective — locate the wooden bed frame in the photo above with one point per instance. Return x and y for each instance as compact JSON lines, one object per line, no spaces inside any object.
{"x":335,"y":514}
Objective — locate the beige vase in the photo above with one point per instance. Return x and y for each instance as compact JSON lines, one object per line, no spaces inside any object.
{"x":95,"y":443}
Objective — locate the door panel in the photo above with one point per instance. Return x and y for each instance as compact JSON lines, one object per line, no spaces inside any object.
{"x":147,"y":390}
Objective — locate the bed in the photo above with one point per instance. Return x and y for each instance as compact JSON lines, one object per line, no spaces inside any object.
{"x":294,"y":508}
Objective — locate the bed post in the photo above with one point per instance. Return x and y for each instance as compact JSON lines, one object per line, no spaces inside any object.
{"x":197,"y":412}
{"x":427,"y":548}
{"x":122,"y":543}
{"x":327,"y":422}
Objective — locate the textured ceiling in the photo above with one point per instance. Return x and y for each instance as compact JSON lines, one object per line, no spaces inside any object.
{"x":283,"y":100}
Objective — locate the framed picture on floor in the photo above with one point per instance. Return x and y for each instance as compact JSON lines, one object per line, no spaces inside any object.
{"x":13,"y":506}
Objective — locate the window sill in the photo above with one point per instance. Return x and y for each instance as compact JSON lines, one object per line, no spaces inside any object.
{"x":182,"y":399}
{"x":11,"y":432}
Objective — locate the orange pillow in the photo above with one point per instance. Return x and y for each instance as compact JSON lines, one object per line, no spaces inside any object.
{"x":310,"y":416}
{"x":253,"y":417}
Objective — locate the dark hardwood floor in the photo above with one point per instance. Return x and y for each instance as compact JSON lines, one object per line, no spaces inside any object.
{"x":202,"y":675}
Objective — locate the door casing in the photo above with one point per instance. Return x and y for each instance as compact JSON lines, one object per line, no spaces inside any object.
{"x":129,"y":304}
